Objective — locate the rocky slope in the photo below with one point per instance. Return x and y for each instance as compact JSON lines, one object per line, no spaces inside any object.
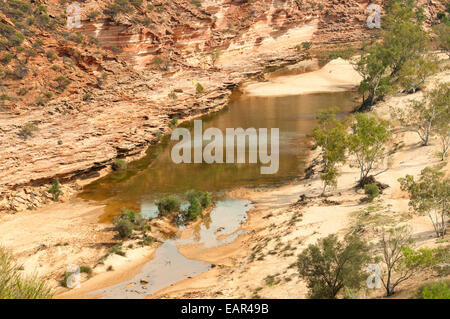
{"x":73,"y":100}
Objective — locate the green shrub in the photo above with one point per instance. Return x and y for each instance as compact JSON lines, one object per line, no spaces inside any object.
{"x":118,"y":7}
{"x":168,"y":205}
{"x":148,"y":240}
{"x":173,"y":122}
{"x":63,"y":82}
{"x":86,"y":270}
{"x":372,"y":191}
{"x":51,"y":56}
{"x":306,"y":45}
{"x":194,"y":210}
{"x":55,"y":189}
{"x":119,"y":164}
{"x":204,"y":198}
{"x":87,"y":97}
{"x":128,"y":221}
{"x":27,"y":130}
{"x":196,"y":3}
{"x":124,"y":227}
{"x":199,"y":88}
{"x":116,"y":50}
{"x":198,"y":201}
{"x":20,"y":71}
{"x":16,"y":39}
{"x":93,"y":14}
{"x":436,"y":290}
{"x":14,"y":286}
{"x":6,"y":58}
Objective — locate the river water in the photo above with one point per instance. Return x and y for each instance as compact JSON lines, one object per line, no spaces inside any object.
{"x":156,"y":175}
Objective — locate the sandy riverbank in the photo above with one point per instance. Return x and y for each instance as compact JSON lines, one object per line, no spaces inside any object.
{"x":336,"y":76}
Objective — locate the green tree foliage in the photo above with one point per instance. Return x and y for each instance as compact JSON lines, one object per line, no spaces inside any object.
{"x":332,"y":265}
{"x":430,"y":194}
{"x":442,"y":32}
{"x":331,"y":136}
{"x":413,"y":73}
{"x":14,"y":286}
{"x":400,"y":261}
{"x":372,"y":67}
{"x":427,"y":115}
{"x":441,"y":100}
{"x":366,"y":143}
{"x":382,"y":64}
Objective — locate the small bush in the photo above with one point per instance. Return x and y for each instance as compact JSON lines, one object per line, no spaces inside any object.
{"x":55,"y":189}
{"x":6,"y":58}
{"x":16,"y":39}
{"x":63,"y":82}
{"x":372,"y":191}
{"x":198,"y":201}
{"x":87,"y":97}
{"x":204,"y":198}
{"x":116,"y":50}
{"x":148,"y":240}
{"x":199,"y":88}
{"x":306,"y":45}
{"x":436,"y":290}
{"x":172,"y":95}
{"x":194,"y":210}
{"x":128,"y":221}
{"x":51,"y":56}
{"x":119,"y":165}
{"x":173,"y":122}
{"x":93,"y":14}
{"x":118,"y":7}
{"x":123,"y":227}
{"x":196,"y":3}
{"x":168,"y":205}
{"x":27,"y":130}
{"x":86,"y":270}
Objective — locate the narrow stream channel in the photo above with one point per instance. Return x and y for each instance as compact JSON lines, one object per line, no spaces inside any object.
{"x":155,"y":176}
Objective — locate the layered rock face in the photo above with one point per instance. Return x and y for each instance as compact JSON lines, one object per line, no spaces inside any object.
{"x":132,"y":72}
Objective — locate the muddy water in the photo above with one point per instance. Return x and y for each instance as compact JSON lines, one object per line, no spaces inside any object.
{"x":156,"y":175}
{"x":169,"y":266}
